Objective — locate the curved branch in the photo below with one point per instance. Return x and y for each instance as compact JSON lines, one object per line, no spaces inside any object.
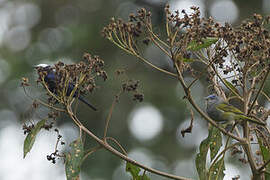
{"x":41,"y":102}
{"x":144,"y":60}
{"x":91,"y":151}
{"x":118,"y":144}
{"x":117,"y":153}
{"x":260,"y":89}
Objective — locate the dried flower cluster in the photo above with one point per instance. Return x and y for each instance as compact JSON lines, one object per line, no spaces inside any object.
{"x":82,"y":75}
{"x":127,"y":33}
{"x":132,"y":86}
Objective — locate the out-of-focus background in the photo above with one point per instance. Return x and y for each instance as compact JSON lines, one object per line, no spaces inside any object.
{"x":33,"y":32}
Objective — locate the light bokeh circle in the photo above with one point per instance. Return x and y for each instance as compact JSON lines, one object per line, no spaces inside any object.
{"x":224,"y":11}
{"x":146,"y":122}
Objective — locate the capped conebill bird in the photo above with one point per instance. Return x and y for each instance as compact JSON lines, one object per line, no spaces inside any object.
{"x":223,"y":112}
{"x":50,"y":80}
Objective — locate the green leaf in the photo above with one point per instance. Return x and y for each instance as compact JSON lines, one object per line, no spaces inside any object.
{"x":215,"y":141}
{"x":201,"y":160}
{"x":231,"y":87}
{"x":144,"y":177}
{"x":212,"y":142}
{"x":217,"y":171}
{"x":31,"y":137}
{"x":195,"y":46}
{"x":74,"y":159}
{"x":133,"y":170}
{"x":179,"y":57}
{"x":266,"y":156}
{"x":188,"y":60}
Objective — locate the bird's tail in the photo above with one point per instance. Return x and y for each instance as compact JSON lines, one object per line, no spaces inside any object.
{"x":251,"y":119}
{"x":87,"y":103}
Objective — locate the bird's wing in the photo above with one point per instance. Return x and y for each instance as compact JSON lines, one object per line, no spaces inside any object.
{"x":228,"y":108}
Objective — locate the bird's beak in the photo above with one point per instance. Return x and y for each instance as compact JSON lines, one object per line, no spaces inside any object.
{"x":208,"y":97}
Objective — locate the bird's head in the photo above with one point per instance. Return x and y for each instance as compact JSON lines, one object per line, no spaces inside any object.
{"x":44,"y":67}
{"x":213,"y":98}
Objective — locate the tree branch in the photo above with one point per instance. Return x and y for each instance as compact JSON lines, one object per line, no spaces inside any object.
{"x":117,"y":153}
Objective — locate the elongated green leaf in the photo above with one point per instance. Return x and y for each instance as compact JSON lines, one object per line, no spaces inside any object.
{"x":215,"y":141}
{"x":266,"y":156}
{"x":231,"y":87}
{"x":133,"y":170}
{"x":217,"y":171}
{"x":144,"y":177}
{"x":195,"y":46}
{"x":212,"y":142}
{"x":31,"y":137}
{"x":201,"y":160}
{"x":74,"y":159}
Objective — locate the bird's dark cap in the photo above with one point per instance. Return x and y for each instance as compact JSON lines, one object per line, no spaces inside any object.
{"x":212,"y":96}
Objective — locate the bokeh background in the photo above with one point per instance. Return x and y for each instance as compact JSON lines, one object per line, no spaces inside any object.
{"x":33,"y":32}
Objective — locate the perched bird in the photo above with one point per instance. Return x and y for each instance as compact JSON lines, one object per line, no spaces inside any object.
{"x":223,"y":112}
{"x":51,"y":81}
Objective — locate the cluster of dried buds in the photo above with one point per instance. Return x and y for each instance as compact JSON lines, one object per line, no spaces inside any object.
{"x":132,"y":86}
{"x":82,"y":73}
{"x":247,"y":44}
{"x":133,"y":28}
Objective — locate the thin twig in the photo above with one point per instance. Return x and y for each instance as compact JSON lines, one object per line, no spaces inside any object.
{"x":118,"y":144}
{"x":267,"y":172}
{"x":222,"y":80}
{"x":51,"y":94}
{"x":91,"y":151}
{"x":156,"y":37}
{"x":109,"y":117}
{"x":189,"y":128}
{"x":223,"y":152}
{"x":264,"y":165}
{"x":159,"y":46}
{"x":41,"y":102}
{"x":267,"y":97}
{"x":260,"y":89}
{"x":144,"y":60}
{"x":246,"y":129}
{"x":263,"y":136}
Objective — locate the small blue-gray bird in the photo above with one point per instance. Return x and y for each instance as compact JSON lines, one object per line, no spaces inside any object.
{"x":223,"y":112}
{"x":51,"y":81}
